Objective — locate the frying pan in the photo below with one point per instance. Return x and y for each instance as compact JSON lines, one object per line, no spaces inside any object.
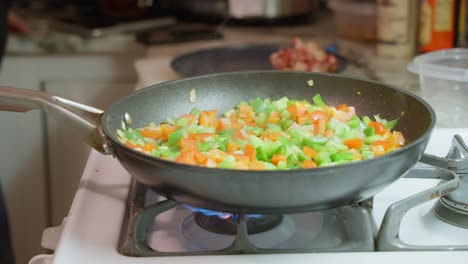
{"x":242,"y":190}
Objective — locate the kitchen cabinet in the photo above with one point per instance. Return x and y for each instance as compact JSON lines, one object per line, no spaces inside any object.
{"x":40,"y":161}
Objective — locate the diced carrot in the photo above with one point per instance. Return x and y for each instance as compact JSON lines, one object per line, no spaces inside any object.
{"x":256,"y":165}
{"x":301,"y":109}
{"x":191,"y":118}
{"x":149,"y":133}
{"x":167,"y":129}
{"x":245,"y":112}
{"x":209,"y":163}
{"x":188,"y":144}
{"x":379,"y":128}
{"x":292,"y":110}
{"x":251,"y":152}
{"x":217,"y":155}
{"x":231,"y":147}
{"x":308,"y":164}
{"x":386,"y":144}
{"x":317,"y":114}
{"x":201,"y":136}
{"x":208,"y":118}
{"x":343,"y":107}
{"x":319,"y":119}
{"x":277,"y":158}
{"x":199,"y":157}
{"x":150,"y":146}
{"x":297,"y":110}
{"x":129,"y":144}
{"x":240,"y":166}
{"x":309,"y":151}
{"x":238,"y":135}
{"x":302,"y":119}
{"x":274,"y":117}
{"x":242,"y":158}
{"x":354,"y":143}
{"x":186,"y":158}
{"x":319,"y":126}
{"x":272,"y":136}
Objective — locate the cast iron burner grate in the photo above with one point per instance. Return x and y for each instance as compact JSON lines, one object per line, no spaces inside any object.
{"x":354,"y":222}
{"x":348,"y":228}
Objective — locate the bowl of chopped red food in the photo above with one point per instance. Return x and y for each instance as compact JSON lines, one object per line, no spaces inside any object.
{"x":301,"y":57}
{"x":305,"y":56}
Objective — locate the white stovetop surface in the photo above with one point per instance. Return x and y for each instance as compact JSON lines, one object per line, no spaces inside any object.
{"x":92,"y":230}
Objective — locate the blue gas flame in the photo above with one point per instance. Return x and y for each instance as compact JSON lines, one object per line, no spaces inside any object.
{"x":222,"y":215}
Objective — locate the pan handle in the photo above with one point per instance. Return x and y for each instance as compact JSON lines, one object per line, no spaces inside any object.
{"x":87,"y":126}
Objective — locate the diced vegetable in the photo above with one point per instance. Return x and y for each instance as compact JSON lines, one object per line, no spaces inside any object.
{"x":265,"y":135}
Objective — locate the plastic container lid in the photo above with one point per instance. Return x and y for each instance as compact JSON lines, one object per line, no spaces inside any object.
{"x":448,"y":64}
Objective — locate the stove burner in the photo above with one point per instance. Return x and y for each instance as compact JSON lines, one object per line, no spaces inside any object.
{"x":228,"y":226}
{"x":453,"y":207}
{"x":222,"y":215}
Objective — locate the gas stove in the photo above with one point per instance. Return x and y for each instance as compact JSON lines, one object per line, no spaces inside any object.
{"x":116,"y":220}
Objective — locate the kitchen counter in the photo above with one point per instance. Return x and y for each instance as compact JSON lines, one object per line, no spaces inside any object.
{"x":154,"y":67}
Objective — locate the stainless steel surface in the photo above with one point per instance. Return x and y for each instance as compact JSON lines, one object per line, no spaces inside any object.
{"x":128,"y":119}
{"x":388,"y":238}
{"x":451,"y":213}
{"x":129,"y":27}
{"x":86,"y":127}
